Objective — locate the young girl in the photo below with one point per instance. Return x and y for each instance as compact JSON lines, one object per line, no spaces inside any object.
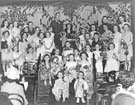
{"x":71,"y":65}
{"x":99,"y":65}
{"x":4,"y":26}
{"x":81,"y":88}
{"x":88,"y":51}
{"x":57,"y":89}
{"x":45,"y":70}
{"x":48,"y":43}
{"x":86,"y":67}
{"x":112,"y":63}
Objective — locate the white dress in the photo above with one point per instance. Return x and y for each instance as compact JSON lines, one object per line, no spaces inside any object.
{"x":71,"y":65}
{"x":58,"y":88}
{"x":112,"y":63}
{"x":99,"y":64}
{"x":16,"y":32}
{"x":79,"y":86}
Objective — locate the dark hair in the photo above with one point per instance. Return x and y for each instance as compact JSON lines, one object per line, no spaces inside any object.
{"x":23,"y":34}
{"x":40,"y":33}
{"x":29,"y":22}
{"x":3,"y":22}
{"x":70,"y":27}
{"x":6,"y":32}
{"x":84,"y":53}
{"x":103,"y":18}
{"x":125,"y":25}
{"x":96,"y":28}
{"x":117,"y":27}
{"x":111,"y":44}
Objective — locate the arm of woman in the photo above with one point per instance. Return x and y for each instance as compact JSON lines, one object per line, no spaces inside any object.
{"x":131,"y":39}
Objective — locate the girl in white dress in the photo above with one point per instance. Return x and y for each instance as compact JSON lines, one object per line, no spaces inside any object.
{"x":57,"y":89}
{"x":86,"y":67}
{"x":112,"y":63}
{"x":48,"y":43}
{"x":117,"y":38}
{"x":99,"y":65}
{"x":81,"y":88}
{"x":71,"y":65}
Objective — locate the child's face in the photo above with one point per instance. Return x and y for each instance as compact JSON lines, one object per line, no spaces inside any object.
{"x":83,"y":31}
{"x":76,"y":52}
{"x":80,"y":75}
{"x":97,"y":47}
{"x":88,"y":48}
{"x":84,"y":57}
{"x":30,"y":50}
{"x":60,"y":75}
{"x":6,"y":35}
{"x":41,"y":35}
{"x":47,"y":35}
{"x":24,"y":36}
{"x":87,"y":36}
{"x":47,"y":58}
{"x":93,"y":28}
{"x":15,"y":49}
{"x":71,"y":57}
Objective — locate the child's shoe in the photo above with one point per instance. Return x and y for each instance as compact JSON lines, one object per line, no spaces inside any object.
{"x":83,"y":101}
{"x":78,"y":100}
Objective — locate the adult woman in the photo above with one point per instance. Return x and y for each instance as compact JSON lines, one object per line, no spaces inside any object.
{"x":127,"y":38}
{"x":16,"y":30}
{"x":23,"y":44}
{"x":117,"y":37}
{"x":48,"y":43}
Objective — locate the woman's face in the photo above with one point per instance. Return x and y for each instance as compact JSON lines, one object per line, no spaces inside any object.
{"x":105,"y":20}
{"x":24,"y":36}
{"x":126,"y":28}
{"x":68,"y":26}
{"x":93,"y":28}
{"x":83,"y":56}
{"x":48,"y":35}
{"x":115,"y":28}
{"x":96,"y":37}
{"x":121,"y":19}
{"x":41,"y":35}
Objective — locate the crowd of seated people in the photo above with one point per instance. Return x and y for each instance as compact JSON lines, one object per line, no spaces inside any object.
{"x":66,"y":50}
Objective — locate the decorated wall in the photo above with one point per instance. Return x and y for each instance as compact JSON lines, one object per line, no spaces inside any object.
{"x":91,"y":13}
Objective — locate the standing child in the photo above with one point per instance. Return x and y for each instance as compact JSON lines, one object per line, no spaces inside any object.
{"x":57,"y":89}
{"x":81,"y":87}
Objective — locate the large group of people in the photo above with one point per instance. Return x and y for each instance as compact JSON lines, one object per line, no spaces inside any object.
{"x":65,"y":51}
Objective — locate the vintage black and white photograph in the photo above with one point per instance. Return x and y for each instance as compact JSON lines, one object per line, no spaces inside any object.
{"x":67,"y":52}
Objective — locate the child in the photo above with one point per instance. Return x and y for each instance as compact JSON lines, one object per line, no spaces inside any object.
{"x":99,"y":65}
{"x":57,"y":89}
{"x":81,"y":87}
